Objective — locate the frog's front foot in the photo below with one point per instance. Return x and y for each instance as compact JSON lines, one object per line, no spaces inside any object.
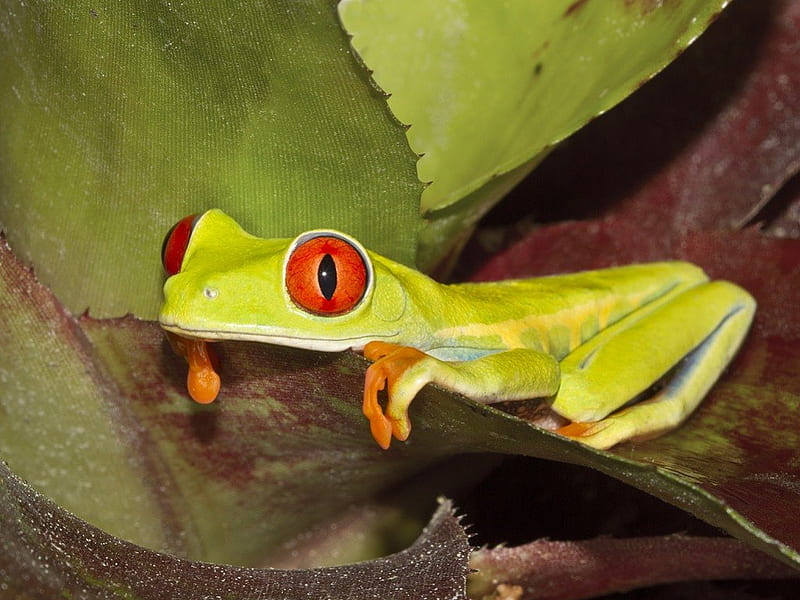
{"x":202,"y":381}
{"x":392,"y":364}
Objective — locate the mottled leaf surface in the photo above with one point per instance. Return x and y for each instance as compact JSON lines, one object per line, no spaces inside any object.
{"x":63,"y":424}
{"x":95,"y":414}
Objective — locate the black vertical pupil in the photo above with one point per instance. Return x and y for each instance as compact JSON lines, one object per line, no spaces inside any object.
{"x":326,"y":276}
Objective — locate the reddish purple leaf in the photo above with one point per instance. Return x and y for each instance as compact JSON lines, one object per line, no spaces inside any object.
{"x":601,"y":566}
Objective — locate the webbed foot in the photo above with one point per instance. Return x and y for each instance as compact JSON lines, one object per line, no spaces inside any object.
{"x":392,"y":365}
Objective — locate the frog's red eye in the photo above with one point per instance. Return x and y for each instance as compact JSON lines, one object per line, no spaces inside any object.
{"x":326,"y":275}
{"x":175,"y":244}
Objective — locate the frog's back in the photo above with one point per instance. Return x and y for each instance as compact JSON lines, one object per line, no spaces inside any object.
{"x":553,"y":314}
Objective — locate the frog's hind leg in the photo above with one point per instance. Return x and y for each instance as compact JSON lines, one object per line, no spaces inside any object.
{"x":692,"y":336}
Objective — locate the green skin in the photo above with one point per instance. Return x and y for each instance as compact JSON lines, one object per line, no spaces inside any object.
{"x":589,"y":342}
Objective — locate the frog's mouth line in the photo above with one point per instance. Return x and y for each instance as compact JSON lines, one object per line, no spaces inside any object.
{"x":308,"y":343}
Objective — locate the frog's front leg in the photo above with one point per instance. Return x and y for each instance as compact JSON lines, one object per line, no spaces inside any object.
{"x":691,"y":336}
{"x":509,"y":375}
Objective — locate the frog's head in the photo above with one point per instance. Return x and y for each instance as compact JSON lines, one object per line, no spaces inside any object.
{"x":322,"y":290}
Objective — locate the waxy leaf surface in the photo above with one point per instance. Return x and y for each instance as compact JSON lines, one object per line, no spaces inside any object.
{"x":487,"y":88}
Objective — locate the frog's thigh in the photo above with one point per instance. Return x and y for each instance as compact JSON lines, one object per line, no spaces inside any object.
{"x":705,"y":325}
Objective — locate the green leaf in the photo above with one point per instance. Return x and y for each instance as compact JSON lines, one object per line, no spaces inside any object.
{"x":487,"y":87}
{"x":64,"y":424}
{"x":119,"y":120}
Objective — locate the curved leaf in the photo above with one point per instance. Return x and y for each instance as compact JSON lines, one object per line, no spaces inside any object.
{"x":487,"y":87}
{"x":708,"y":144}
{"x":63,"y":425}
{"x":733,"y":463}
{"x":119,"y":120}
{"x":46,"y":553}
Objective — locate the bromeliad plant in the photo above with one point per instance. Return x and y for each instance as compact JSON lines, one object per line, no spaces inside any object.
{"x":135,"y":118}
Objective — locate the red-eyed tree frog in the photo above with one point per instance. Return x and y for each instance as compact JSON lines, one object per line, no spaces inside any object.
{"x":589,"y":343}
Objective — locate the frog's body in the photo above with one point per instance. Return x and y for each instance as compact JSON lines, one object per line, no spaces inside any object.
{"x":591,"y":342}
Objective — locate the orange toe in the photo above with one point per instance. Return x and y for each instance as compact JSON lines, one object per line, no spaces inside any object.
{"x":202,"y":381}
{"x":381,"y":429}
{"x":391,"y":362}
{"x":203,"y":385}
{"x":575,"y":430}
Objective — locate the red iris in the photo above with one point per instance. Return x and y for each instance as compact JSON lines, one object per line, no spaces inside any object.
{"x":326,"y":275}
